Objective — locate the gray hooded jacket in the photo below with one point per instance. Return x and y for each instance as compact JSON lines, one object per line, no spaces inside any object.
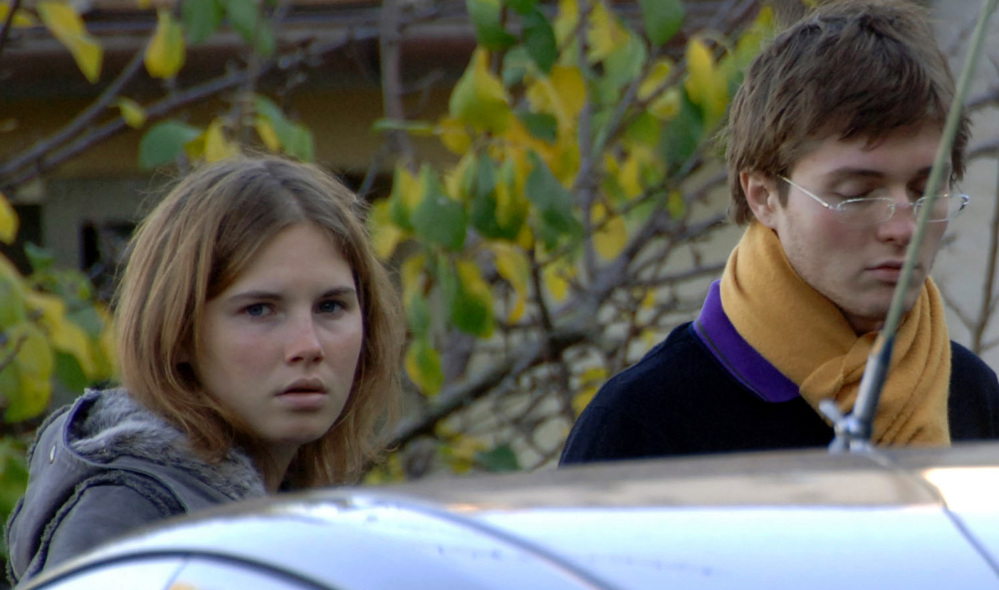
{"x":105,"y":466}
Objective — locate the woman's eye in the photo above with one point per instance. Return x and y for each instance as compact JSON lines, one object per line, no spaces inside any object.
{"x":257,"y":310}
{"x":329,"y":307}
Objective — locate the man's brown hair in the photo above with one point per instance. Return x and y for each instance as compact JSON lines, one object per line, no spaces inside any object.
{"x":850,"y":69}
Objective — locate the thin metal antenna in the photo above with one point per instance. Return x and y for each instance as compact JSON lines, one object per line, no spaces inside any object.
{"x":853,"y":430}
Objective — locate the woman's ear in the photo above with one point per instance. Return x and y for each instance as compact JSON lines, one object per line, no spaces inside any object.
{"x":761,"y":196}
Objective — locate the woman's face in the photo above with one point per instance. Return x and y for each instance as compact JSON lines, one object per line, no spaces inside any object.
{"x":279,"y":348}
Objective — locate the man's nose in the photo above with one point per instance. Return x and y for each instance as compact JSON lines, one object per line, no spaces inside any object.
{"x":902,"y":224}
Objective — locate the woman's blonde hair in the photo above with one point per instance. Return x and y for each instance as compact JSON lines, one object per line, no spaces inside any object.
{"x":191,"y":247}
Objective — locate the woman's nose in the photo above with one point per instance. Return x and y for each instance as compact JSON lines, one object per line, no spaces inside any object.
{"x":304,"y":344}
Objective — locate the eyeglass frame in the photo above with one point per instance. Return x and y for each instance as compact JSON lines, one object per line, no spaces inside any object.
{"x":963,"y":199}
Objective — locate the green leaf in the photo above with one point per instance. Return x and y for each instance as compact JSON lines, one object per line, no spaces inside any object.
{"x":515,"y":65}
{"x":645,"y":129}
{"x":201,"y":19}
{"x":522,"y":6}
{"x":69,"y":373}
{"x":423,"y":365}
{"x":625,"y":64}
{"x":414,"y":127}
{"x":479,"y":98}
{"x":13,"y":477}
{"x":489,"y":31}
{"x":541,"y":125}
{"x":164,"y":143}
{"x":483,"y":212}
{"x":244,"y":16}
{"x":418,"y":315}
{"x":499,"y":459}
{"x":539,"y":39}
{"x":34,"y":364}
{"x":468,"y":298}
{"x":264,"y":42}
{"x":553,"y":201}
{"x":438,"y":218}
{"x":663,"y":19}
{"x":40,"y":259}
{"x":296,"y":140}
{"x":683,"y":135}
{"x":88,"y":319}
{"x":12,"y":309}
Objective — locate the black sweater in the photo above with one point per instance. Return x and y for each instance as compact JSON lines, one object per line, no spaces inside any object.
{"x":679,"y":400}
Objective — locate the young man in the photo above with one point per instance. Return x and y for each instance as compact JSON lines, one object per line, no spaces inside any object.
{"x":830,"y":143}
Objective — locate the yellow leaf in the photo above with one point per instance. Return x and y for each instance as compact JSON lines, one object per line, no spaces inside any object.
{"x":562,"y":93}
{"x":705,"y":85}
{"x":21,"y":18}
{"x":565,"y":22}
{"x":195,"y":149}
{"x":590,"y":381}
{"x":412,"y":273}
{"x":611,"y":235}
{"x":8,"y":221}
{"x":217,"y":145}
{"x":513,"y":266}
{"x":658,"y":75}
{"x":67,"y":26}
{"x":454,"y":136}
{"x":649,"y":299}
{"x":479,"y":98}
{"x":605,"y":35}
{"x":265,"y":129}
{"x":132,"y":112}
{"x":675,"y":205}
{"x":385,"y":235}
{"x":34,"y":363}
{"x":410,"y":189}
{"x":64,"y":334}
{"x":455,"y":178}
{"x":630,"y":177}
{"x":423,"y":365}
{"x":556,"y":277}
{"x":166,"y":53}
{"x":461,"y":452}
{"x":511,"y":202}
{"x":143,"y":3}
{"x":474,"y":302}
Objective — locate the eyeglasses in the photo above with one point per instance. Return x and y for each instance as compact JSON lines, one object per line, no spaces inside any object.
{"x":878,"y":210}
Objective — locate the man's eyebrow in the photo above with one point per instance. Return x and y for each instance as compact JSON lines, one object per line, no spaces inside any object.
{"x":852,"y":172}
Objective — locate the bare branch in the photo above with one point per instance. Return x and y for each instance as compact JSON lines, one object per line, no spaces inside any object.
{"x":5,"y":31}
{"x":460,"y":395}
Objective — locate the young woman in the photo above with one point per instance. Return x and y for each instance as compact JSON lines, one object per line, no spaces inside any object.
{"x":259,"y":341}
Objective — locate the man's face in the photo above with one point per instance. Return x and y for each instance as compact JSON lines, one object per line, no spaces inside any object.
{"x":857,"y":267}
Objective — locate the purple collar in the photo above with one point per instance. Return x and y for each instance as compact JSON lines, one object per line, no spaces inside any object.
{"x":735,"y":354}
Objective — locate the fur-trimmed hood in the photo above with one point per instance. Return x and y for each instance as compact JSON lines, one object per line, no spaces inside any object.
{"x":117,"y":425}
{"x":105,"y":466}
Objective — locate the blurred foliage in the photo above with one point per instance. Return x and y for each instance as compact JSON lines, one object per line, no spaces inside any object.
{"x":580,"y":147}
{"x":571,"y":131}
{"x":53,"y":330}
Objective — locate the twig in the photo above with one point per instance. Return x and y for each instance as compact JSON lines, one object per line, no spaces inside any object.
{"x":7,"y":23}
{"x":988,"y":287}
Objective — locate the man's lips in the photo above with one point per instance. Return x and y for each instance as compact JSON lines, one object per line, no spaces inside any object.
{"x":890,"y":270}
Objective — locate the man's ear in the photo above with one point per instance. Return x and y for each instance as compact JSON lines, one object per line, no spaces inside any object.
{"x":761,"y":196}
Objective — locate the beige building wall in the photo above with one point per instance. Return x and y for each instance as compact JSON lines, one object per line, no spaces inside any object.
{"x":960,"y":267}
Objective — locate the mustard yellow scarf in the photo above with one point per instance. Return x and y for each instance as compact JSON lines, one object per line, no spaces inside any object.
{"x":805,"y":336}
